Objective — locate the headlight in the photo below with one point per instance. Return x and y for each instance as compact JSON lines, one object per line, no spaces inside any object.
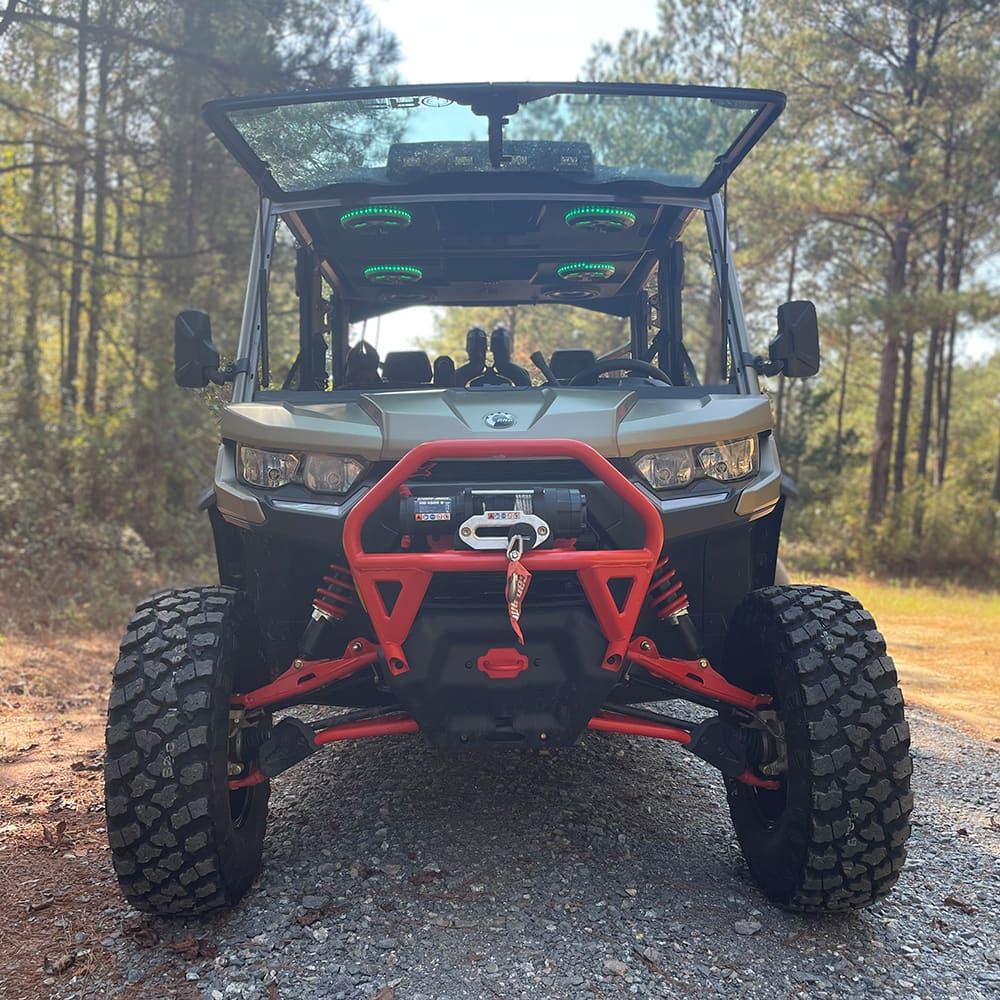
{"x":319,"y":473}
{"x":331,"y":473}
{"x":269,"y":469}
{"x":664,"y":470}
{"x":675,"y":467}
{"x":728,"y":460}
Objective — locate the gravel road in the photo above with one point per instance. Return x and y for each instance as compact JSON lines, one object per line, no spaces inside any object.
{"x":397,"y":872}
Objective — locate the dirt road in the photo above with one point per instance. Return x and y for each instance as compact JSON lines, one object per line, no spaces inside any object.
{"x":396,"y":872}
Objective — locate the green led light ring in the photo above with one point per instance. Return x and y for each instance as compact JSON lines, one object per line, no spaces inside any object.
{"x":376,"y":217}
{"x":585,"y":271}
{"x":604,"y":218}
{"x":393,"y":274}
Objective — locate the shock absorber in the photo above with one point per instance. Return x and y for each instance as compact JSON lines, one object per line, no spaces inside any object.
{"x":333,"y":600}
{"x":668,"y":599}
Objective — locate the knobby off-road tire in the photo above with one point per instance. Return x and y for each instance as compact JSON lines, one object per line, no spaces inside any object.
{"x":181,"y":842}
{"x":834,"y":837}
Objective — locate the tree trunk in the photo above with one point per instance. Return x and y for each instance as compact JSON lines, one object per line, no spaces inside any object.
{"x":955,"y":270}
{"x":878,"y":485}
{"x":936,"y":328}
{"x":838,"y":440}
{"x":933,"y":358}
{"x":905,"y":401}
{"x":996,"y":479}
{"x":97,"y":264}
{"x":29,"y":385}
{"x":68,"y":393}
{"x":944,"y":410}
{"x":902,"y":424}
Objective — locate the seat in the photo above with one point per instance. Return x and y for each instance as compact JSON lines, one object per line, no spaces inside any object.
{"x":362,"y":367}
{"x":406,"y":368}
{"x":502,"y":346}
{"x":567,"y":363}
{"x":444,"y":372}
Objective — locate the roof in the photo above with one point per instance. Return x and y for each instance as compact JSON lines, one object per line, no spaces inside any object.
{"x":465,"y":193}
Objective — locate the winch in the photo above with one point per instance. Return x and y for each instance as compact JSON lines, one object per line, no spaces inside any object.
{"x":486,"y":519}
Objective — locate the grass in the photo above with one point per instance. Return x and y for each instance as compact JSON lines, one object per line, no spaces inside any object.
{"x":945,"y":642}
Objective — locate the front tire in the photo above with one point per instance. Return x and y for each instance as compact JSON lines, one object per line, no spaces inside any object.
{"x":181,"y":842}
{"x":833,"y":837}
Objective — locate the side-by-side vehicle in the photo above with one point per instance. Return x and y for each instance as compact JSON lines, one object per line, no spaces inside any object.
{"x":498,"y":469}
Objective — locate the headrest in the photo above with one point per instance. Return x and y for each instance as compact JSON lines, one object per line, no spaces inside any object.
{"x":362,"y":366}
{"x":501,"y":343}
{"x":475,"y":343}
{"x":444,"y":372}
{"x":407,"y":367}
{"x":565,"y":364}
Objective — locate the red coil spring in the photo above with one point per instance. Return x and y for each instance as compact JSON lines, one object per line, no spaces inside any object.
{"x":666,"y":592}
{"x":336,"y":594}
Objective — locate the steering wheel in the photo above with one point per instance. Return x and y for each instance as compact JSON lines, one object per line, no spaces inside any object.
{"x":589,"y":376}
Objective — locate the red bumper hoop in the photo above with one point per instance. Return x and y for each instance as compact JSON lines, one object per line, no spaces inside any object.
{"x":412,"y":571}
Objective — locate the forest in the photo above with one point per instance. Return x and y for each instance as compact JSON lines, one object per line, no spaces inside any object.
{"x":875,"y":195}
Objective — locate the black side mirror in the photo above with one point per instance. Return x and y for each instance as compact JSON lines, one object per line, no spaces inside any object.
{"x":795,"y":351}
{"x":196,"y":360}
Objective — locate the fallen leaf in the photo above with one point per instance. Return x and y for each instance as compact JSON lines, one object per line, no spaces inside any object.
{"x":192,"y":948}
{"x":54,"y":837}
{"x":87,"y":765}
{"x":423,"y":878}
{"x":59,"y":964}
{"x":959,"y":904}
{"x":139,"y":932}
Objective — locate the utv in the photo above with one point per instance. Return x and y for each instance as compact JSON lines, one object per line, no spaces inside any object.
{"x":491,"y":555}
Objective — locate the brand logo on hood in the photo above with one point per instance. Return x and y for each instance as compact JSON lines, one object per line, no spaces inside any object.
{"x":499,"y":420}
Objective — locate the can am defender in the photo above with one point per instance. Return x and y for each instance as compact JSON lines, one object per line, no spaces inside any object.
{"x":505,"y":554}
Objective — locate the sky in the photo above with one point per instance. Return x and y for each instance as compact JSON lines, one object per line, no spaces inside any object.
{"x":469,"y":41}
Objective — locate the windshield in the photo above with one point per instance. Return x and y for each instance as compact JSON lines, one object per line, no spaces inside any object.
{"x":673,"y":137}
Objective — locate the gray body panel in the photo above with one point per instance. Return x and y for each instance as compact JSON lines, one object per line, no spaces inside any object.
{"x":384,"y":426}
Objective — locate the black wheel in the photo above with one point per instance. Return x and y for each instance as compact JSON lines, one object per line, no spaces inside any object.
{"x":833,"y":836}
{"x":181,"y":841}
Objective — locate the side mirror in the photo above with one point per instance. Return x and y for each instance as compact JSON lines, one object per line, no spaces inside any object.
{"x":196,"y":360}
{"x":795,"y":351}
